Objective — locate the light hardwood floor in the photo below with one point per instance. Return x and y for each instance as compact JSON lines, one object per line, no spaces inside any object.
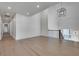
{"x":37,"y":46}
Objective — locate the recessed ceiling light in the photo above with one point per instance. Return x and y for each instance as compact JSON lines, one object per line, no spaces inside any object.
{"x":28,"y":13}
{"x":9,"y":7}
{"x":37,"y":6}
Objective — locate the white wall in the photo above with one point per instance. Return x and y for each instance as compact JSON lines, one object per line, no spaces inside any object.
{"x":71,"y":20}
{"x":0,"y":29}
{"x":52,"y":18}
{"x":27,"y":26}
{"x":52,"y":22}
{"x":44,"y":22}
{"x":12,"y":25}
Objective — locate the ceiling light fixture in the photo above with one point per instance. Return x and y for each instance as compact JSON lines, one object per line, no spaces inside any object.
{"x":61,"y":11}
{"x":37,"y":6}
{"x":9,"y":7}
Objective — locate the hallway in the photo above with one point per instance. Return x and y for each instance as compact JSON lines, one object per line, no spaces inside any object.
{"x":7,"y":36}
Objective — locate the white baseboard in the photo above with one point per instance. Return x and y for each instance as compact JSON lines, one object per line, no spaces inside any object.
{"x":44,"y":35}
{"x":27,"y":37}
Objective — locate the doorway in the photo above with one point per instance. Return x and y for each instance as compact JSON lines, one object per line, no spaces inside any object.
{"x":6,"y":32}
{"x":5,"y":28}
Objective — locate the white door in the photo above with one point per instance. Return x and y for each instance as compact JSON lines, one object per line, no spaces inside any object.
{"x":5,"y":29}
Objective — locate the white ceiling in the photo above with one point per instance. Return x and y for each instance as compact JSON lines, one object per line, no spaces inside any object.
{"x":23,"y":7}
